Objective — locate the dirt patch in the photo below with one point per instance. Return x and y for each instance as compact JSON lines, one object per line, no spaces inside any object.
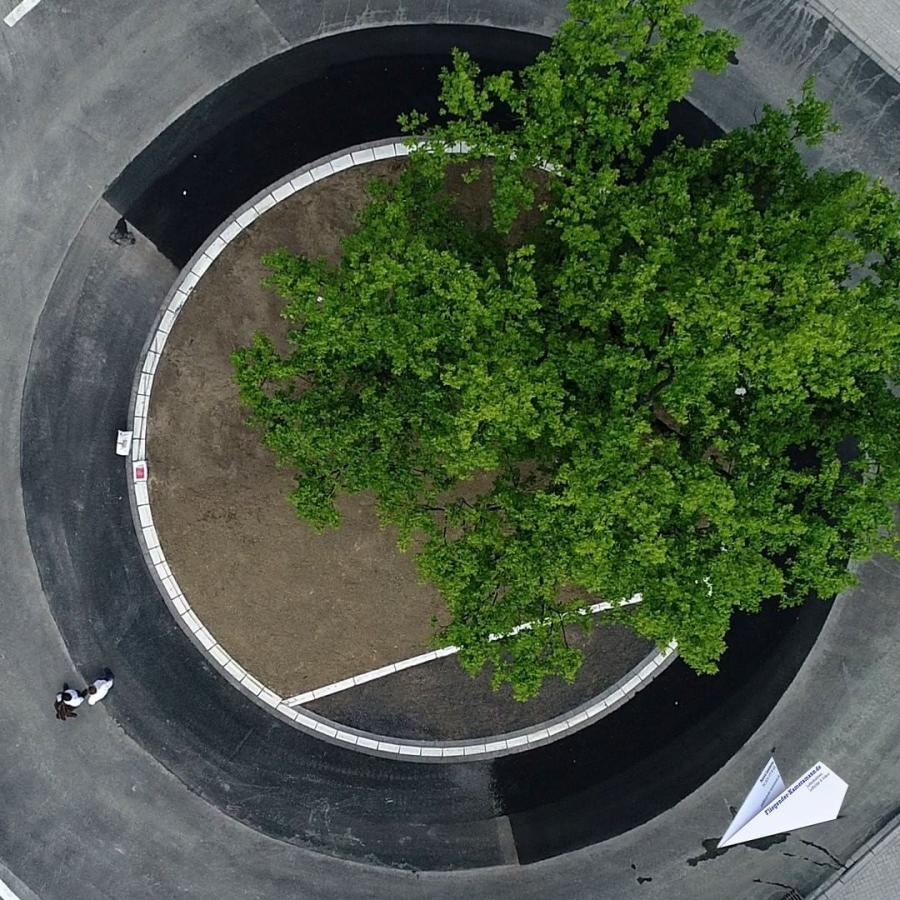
{"x":297,"y":609}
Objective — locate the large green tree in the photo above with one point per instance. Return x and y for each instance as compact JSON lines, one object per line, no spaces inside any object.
{"x":645,"y":392}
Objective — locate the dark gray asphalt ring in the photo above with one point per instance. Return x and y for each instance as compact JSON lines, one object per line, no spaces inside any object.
{"x":658,"y":747}
{"x":218,"y":742}
{"x":677,"y":732}
{"x":288,"y":111}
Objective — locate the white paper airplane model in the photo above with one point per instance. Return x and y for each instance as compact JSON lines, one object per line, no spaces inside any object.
{"x":770,"y":808}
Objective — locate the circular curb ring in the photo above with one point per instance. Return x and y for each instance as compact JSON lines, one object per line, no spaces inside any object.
{"x":423,"y":751}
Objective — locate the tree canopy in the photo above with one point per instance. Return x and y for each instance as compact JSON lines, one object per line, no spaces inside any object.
{"x":677,"y":383}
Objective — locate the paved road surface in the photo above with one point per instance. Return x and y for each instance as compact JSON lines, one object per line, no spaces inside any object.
{"x":88,"y":813}
{"x":872,"y":873}
{"x":874,"y":24}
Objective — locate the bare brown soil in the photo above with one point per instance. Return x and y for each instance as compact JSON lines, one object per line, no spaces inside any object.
{"x":295,"y":608}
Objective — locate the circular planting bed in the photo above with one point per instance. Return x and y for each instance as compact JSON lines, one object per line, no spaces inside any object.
{"x":298,"y":610}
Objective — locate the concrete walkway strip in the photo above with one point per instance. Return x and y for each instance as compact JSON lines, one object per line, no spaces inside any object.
{"x":26,"y":6}
{"x":7,"y":893}
{"x":347,"y":683}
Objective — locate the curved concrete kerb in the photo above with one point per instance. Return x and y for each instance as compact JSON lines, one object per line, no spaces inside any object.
{"x":286,"y":708}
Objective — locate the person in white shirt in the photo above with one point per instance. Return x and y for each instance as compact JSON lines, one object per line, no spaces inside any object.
{"x":69,"y":697}
{"x":100,"y":688}
{"x":66,"y":702}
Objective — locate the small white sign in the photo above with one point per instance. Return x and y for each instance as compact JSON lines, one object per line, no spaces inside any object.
{"x":815,"y":797}
{"x":123,"y":443}
{"x":139,"y":468}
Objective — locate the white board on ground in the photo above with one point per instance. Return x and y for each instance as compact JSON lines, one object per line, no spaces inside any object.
{"x":20,"y":10}
{"x":813,"y":798}
{"x":123,"y":442}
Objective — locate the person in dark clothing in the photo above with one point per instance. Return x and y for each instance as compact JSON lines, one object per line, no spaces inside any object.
{"x":121,"y":235}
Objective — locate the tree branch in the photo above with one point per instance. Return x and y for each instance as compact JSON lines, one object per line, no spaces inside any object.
{"x":655,"y":391}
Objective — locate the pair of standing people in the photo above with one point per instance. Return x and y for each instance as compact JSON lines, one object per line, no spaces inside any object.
{"x":68,"y":700}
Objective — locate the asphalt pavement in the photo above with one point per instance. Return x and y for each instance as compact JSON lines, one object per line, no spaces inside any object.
{"x":91,"y":811}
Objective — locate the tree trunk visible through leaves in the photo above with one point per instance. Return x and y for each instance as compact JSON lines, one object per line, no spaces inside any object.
{"x":642,"y":367}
